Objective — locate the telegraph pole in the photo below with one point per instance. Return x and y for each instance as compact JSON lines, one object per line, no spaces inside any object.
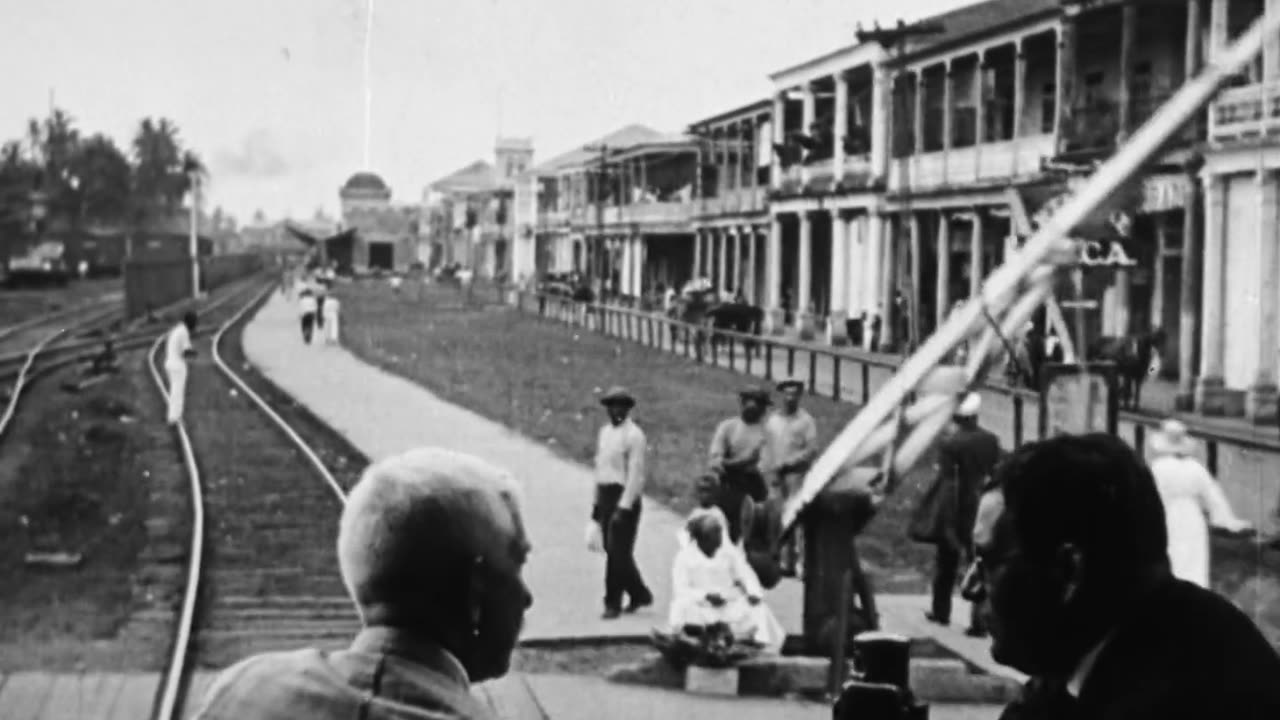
{"x":894,"y":40}
{"x":598,"y":264}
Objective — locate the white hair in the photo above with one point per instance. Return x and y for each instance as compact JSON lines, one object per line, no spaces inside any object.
{"x":415,"y":520}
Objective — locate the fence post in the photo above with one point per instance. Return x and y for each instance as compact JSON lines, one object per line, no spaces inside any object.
{"x":813,"y":372}
{"x":1211,"y":456}
{"x":1139,"y":437}
{"x":1017,"y":420}
{"x":791,"y":361}
{"x":835,"y":373}
{"x":866,"y":382}
{"x":768,"y":360}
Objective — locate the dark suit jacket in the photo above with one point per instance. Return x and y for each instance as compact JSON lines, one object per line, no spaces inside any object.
{"x":948,"y":509}
{"x":385,"y":675}
{"x":1186,"y":653}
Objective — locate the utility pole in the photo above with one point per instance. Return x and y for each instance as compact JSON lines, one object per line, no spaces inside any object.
{"x":894,"y":40}
{"x":597,"y":266}
{"x":195,"y":241}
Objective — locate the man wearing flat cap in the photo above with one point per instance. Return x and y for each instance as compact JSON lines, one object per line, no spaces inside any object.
{"x":945,"y":517}
{"x":620,"y":449}
{"x":740,"y":455}
{"x":793,"y":438}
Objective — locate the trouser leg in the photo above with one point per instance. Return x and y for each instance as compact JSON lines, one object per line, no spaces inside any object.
{"x":732,"y":497}
{"x":946,"y":565}
{"x":621,"y":546}
{"x":308,"y":321}
{"x":863,"y":589}
{"x":606,"y":505}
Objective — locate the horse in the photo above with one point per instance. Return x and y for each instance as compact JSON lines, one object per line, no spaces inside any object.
{"x":739,"y":317}
{"x":1133,"y":355}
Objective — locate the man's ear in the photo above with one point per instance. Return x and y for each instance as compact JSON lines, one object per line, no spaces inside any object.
{"x":1071,"y":564}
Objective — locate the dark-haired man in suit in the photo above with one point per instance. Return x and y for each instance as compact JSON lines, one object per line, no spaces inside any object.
{"x":1073,"y":581}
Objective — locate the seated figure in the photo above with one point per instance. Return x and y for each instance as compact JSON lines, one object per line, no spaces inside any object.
{"x":712,"y":585}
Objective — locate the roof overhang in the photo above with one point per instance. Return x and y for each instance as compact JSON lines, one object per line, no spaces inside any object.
{"x":837,"y":61}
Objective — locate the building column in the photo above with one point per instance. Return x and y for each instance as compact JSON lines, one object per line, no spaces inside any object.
{"x":872,"y":272}
{"x":976,"y":254}
{"x":804,"y":265}
{"x":808,"y":107}
{"x":841,"y":126}
{"x":980,"y":101}
{"x":1128,"y":33}
{"x":917,"y":292}
{"x":917,"y":115}
{"x":1260,"y":400}
{"x":943,"y":285}
{"x":1209,"y":385}
{"x":733,"y":256}
{"x":855,"y":259}
{"x":773,"y":275}
{"x":837,"y":332}
{"x":1065,"y":85}
{"x":639,"y":258}
{"x":749,"y":232}
{"x":697,"y":253}
{"x":1271,"y":48}
{"x":1019,"y":90}
{"x":1218,"y":10}
{"x":722,"y":260}
{"x":887,"y":285}
{"x":948,"y":101}
{"x":1189,"y":291}
{"x":881,"y":101}
{"x":776,"y":130}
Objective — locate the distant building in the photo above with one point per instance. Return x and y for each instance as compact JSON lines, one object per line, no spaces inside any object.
{"x":386,"y":235}
{"x":472,"y":212}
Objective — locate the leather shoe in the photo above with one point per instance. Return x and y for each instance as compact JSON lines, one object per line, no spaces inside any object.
{"x":975,"y":632}
{"x":937,"y":620}
{"x":611,"y":614}
{"x":637,"y":604}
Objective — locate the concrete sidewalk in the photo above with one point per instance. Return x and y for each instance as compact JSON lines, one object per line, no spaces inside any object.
{"x":382,"y":414}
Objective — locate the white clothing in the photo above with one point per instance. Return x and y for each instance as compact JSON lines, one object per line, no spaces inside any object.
{"x":307,"y":304}
{"x":177,"y":373}
{"x":177,"y":344}
{"x":331,"y":307}
{"x":620,"y":453}
{"x":175,"y":366}
{"x":1190,"y":494}
{"x":727,"y":574}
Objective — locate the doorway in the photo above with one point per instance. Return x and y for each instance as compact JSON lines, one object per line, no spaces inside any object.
{"x":381,"y":256}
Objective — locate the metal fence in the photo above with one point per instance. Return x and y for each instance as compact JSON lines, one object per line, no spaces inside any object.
{"x":851,"y":375}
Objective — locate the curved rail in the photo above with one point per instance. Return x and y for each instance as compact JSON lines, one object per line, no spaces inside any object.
{"x":177,"y":664}
{"x":170,"y":702}
{"x":21,"y":380}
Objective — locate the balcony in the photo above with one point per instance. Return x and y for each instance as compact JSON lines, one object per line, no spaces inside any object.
{"x":1252,"y":110}
{"x":988,"y":162}
{"x":658,"y":212}
{"x":735,"y":201}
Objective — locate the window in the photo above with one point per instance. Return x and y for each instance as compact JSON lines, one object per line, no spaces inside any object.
{"x":1048,"y":107}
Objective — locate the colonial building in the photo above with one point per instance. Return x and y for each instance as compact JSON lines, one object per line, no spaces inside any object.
{"x":1240,"y":324}
{"x":476,"y":204}
{"x":386,"y":235}
{"x":730,"y":208}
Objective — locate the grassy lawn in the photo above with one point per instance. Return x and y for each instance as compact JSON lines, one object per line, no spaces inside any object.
{"x":541,"y":379}
{"x":17,"y":305}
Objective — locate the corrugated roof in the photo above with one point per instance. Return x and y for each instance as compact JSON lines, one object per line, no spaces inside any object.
{"x":479,"y":175}
{"x":968,"y":22}
{"x":623,"y":138}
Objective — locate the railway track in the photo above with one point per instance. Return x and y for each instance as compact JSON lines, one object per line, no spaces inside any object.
{"x":50,"y":349}
{"x":262,"y":572}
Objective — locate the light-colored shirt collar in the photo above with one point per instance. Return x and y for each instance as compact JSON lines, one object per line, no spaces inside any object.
{"x":402,"y":643}
{"x":1076,"y":683}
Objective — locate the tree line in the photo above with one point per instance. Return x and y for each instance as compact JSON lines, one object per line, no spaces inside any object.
{"x":87,"y":179}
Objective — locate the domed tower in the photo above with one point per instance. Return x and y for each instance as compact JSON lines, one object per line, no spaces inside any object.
{"x":383,"y":238}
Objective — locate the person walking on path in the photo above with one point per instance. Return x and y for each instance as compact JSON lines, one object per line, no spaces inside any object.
{"x":307,"y":306}
{"x":321,"y":292}
{"x":740,"y":455}
{"x":1190,"y":495}
{"x":331,"y":308}
{"x":945,"y":516}
{"x":177,"y":348}
{"x":435,"y":621}
{"x":793,"y":436}
{"x":620,"y":450}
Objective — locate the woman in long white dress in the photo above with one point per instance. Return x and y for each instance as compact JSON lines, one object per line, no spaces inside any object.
{"x":712,"y":583}
{"x":1193,"y":501}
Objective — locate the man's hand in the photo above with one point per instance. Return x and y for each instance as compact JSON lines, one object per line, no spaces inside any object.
{"x":715,"y":599}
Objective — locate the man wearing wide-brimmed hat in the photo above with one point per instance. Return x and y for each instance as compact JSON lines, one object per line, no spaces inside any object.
{"x":740,"y":455}
{"x":793,"y":438}
{"x":620,"y":450}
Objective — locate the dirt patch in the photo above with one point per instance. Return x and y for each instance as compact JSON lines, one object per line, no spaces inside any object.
{"x":19,"y":305}
{"x":76,"y":478}
{"x":541,"y":378}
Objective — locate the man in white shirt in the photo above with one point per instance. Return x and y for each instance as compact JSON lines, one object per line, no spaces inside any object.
{"x":620,"y":449}
{"x":177,"y":348}
{"x":793,"y":438}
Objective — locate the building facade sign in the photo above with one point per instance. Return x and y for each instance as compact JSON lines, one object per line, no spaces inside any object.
{"x":1163,"y":193}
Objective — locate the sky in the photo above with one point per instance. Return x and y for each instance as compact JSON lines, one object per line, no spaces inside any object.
{"x":271,"y":92}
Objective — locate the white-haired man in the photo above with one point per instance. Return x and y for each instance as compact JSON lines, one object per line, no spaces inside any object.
{"x":431,"y":547}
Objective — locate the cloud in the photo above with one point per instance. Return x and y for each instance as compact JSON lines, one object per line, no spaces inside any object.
{"x":258,"y":156}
